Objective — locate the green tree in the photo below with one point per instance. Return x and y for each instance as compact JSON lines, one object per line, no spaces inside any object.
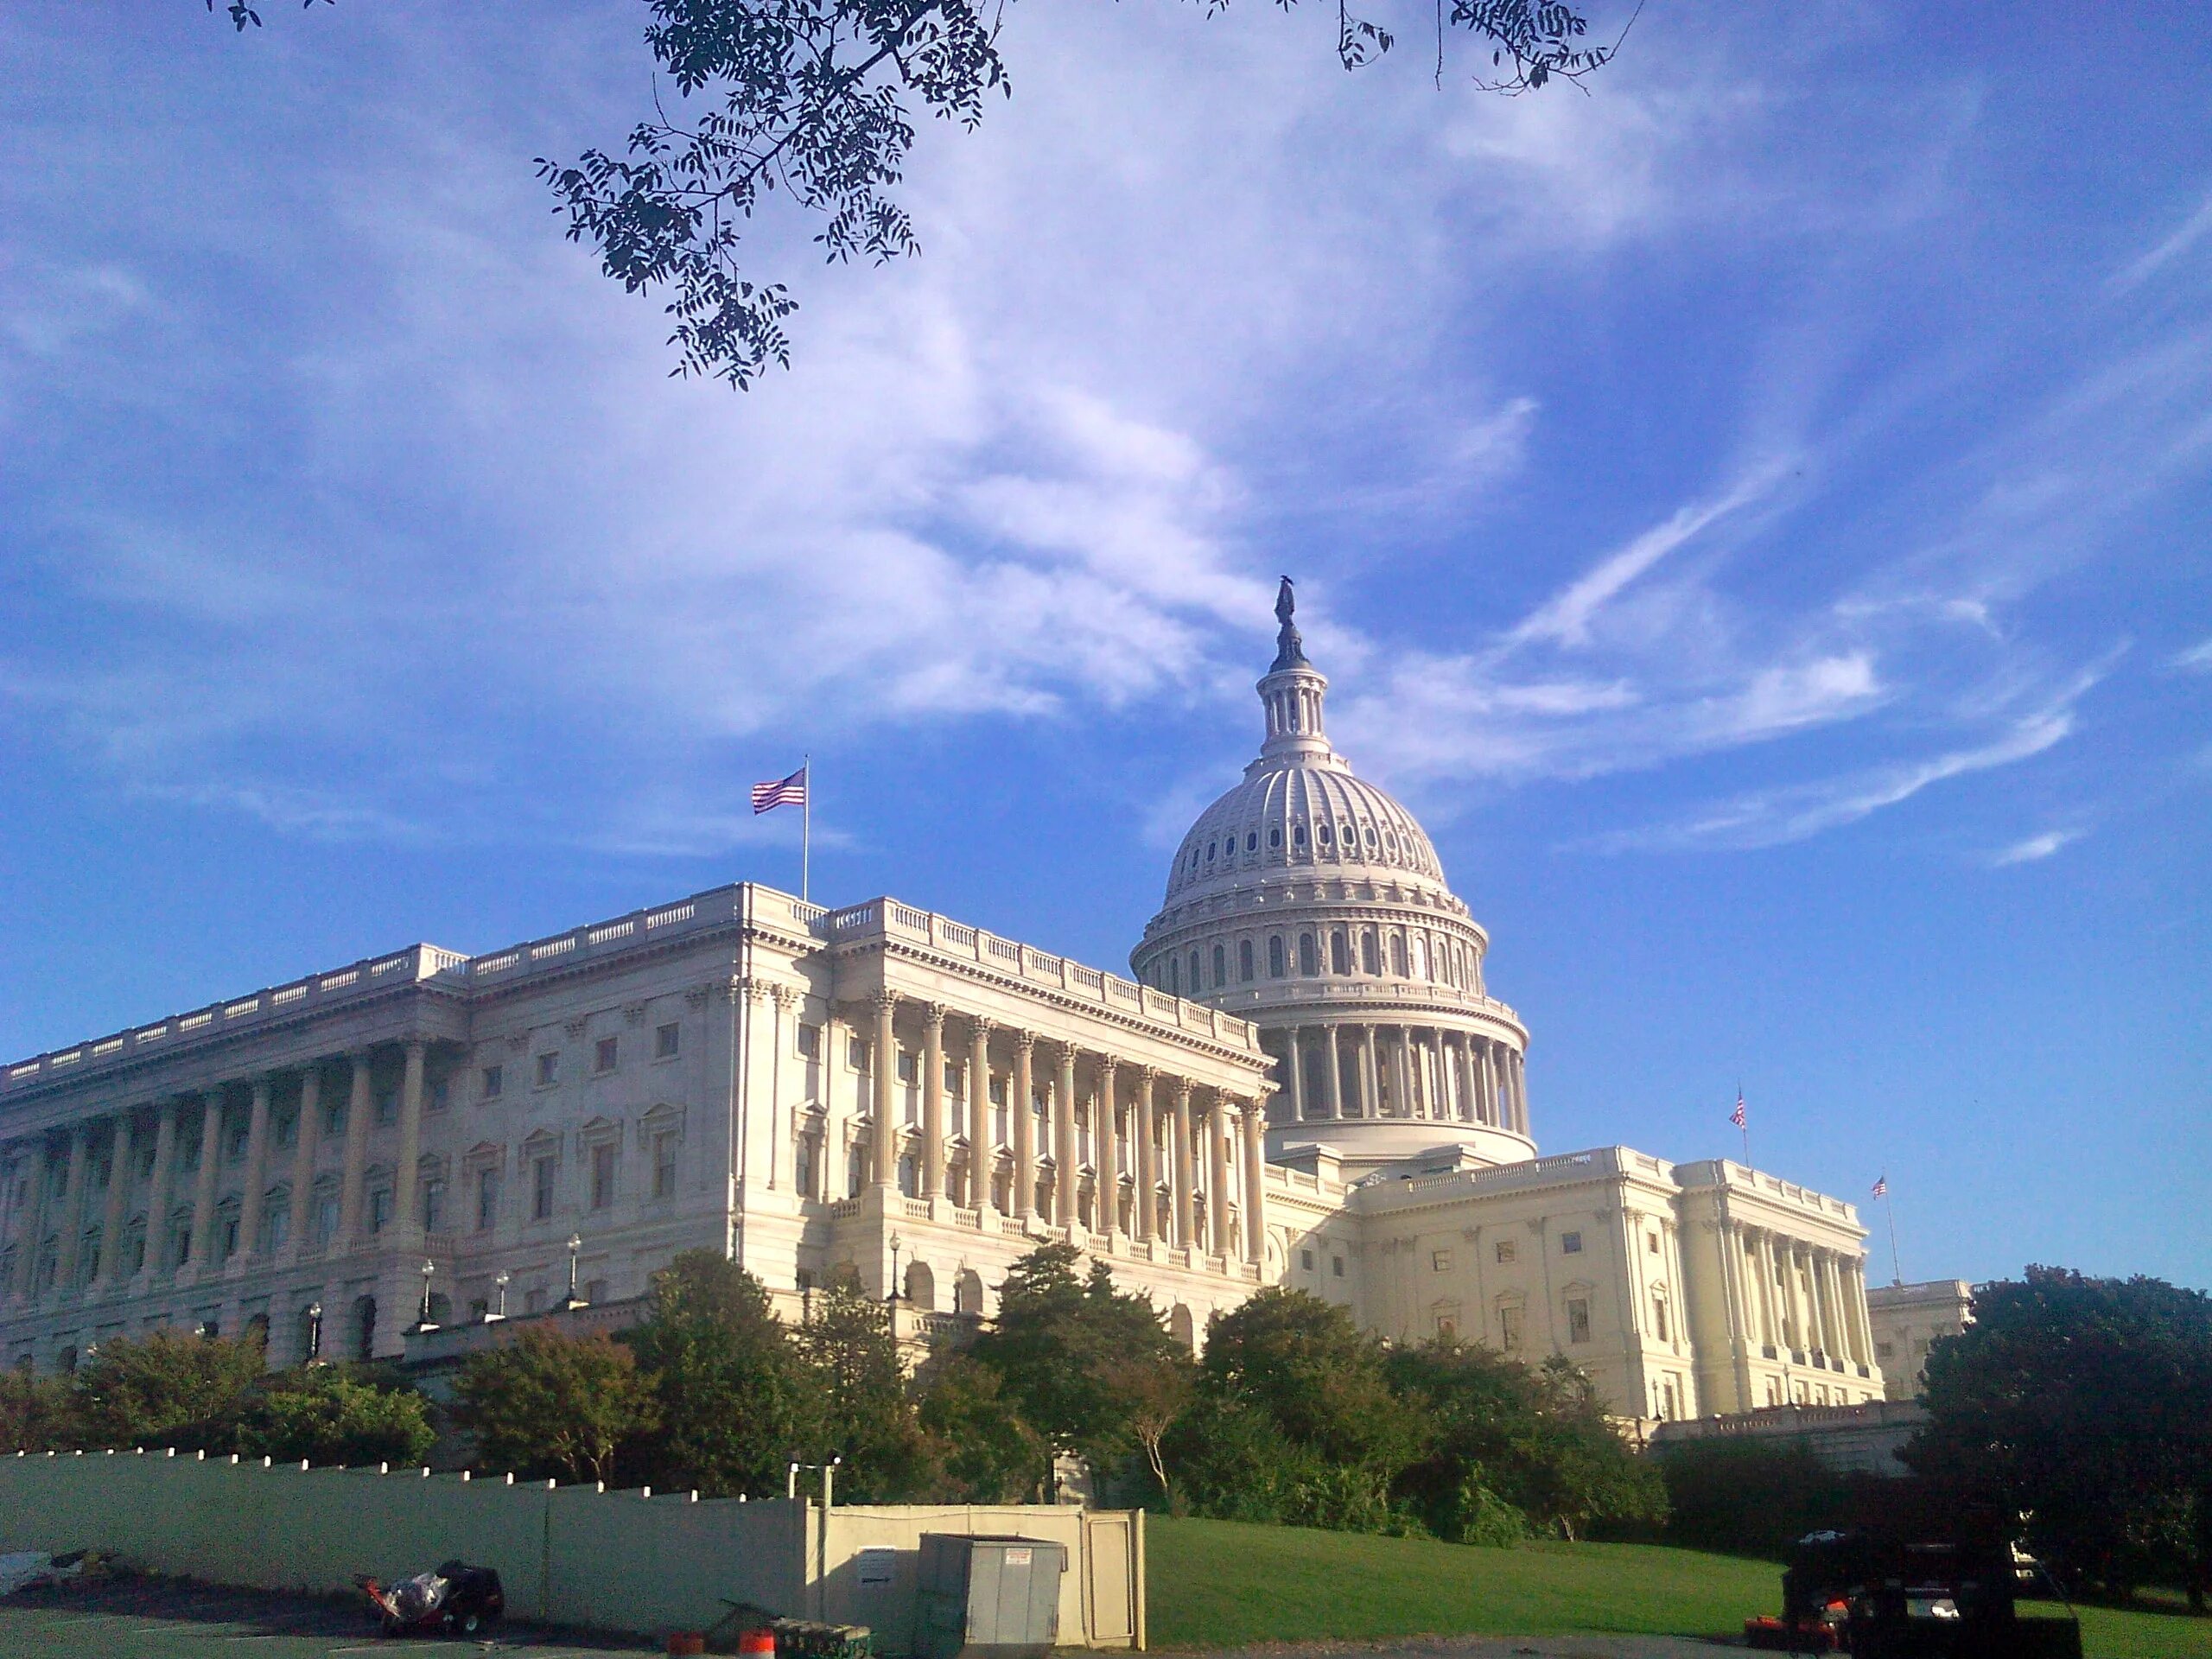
{"x":167,"y":1389}
{"x":867,"y":1416}
{"x":821,"y":98}
{"x":1066,"y":1346}
{"x":733,"y":1401}
{"x":323,"y":1414}
{"x":37,"y":1414}
{"x":2085,"y":1404}
{"x":984,"y":1452}
{"x":1295,"y":1420}
{"x":553,"y":1405}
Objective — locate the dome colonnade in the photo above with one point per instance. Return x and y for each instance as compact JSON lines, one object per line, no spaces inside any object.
{"x":1310,"y":902}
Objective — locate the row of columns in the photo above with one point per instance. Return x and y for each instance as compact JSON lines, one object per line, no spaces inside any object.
{"x":66,"y":1215}
{"x":1409,"y":1071}
{"x":1808,"y":1298}
{"x":1201,"y":1129}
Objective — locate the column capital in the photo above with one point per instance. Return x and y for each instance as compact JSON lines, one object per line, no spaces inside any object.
{"x":1107,"y":1066}
{"x":980,"y":1026}
{"x":885,"y":1000}
{"x":1024,"y":1042}
{"x":1183,"y":1091}
{"x":784,"y":996}
{"x":1146,"y":1075}
{"x":933,"y":1016}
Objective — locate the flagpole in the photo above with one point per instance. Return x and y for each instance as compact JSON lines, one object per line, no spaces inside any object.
{"x":1743,"y":1123}
{"x":805,"y":827}
{"x":1896,"y":1268}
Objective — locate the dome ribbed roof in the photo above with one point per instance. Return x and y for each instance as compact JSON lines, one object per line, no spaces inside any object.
{"x":1315,"y":817}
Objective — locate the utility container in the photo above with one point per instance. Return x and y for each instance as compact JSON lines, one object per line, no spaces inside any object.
{"x":988,"y":1598}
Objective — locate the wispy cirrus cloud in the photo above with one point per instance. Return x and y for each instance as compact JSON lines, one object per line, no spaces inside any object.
{"x":2034,"y":849}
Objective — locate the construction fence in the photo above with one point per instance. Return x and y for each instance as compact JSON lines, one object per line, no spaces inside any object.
{"x":635,"y":1561}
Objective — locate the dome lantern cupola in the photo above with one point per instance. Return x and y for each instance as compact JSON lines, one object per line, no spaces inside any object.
{"x":1292,"y":691}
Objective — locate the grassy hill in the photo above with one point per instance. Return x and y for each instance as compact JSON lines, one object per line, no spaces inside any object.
{"x":1219,"y":1584}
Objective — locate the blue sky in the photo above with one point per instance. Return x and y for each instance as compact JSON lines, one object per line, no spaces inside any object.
{"x":1755,"y":513}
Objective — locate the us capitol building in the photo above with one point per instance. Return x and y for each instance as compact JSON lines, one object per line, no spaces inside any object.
{"x":1306,"y":1083}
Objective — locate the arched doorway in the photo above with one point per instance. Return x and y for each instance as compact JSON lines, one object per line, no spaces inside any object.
{"x":968,"y":1292}
{"x":921,"y":1287}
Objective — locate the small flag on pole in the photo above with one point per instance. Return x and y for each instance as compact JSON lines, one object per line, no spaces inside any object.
{"x":780,"y":791}
{"x":1882,"y":1184}
{"x":1737,"y":1117}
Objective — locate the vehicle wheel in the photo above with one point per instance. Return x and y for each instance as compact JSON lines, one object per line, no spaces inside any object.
{"x":468,"y":1625}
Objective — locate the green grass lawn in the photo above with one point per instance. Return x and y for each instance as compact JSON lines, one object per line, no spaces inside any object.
{"x":1219,"y":1584}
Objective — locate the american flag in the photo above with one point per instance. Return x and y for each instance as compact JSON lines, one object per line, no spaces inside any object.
{"x":1737,"y":1117}
{"x":780,"y":791}
{"x":1882,"y":1184}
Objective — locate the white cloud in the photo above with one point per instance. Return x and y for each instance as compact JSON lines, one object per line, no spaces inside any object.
{"x":2197,"y":659}
{"x":2186,"y":235}
{"x":2035,"y":848}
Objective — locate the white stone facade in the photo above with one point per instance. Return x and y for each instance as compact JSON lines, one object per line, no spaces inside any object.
{"x":1306,"y":1083}
{"x":1906,"y":1319}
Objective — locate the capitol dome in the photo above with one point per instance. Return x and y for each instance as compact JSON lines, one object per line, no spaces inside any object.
{"x":1310,"y":902}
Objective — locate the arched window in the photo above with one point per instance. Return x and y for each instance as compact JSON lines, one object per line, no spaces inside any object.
{"x":1298,"y":834}
{"x":1274,"y":955}
{"x":1220,"y":967}
{"x":1209,"y":847}
{"x":1339,"y":952}
{"x":1420,"y":958}
{"x":1368,"y":962}
{"x":1198,"y":975}
{"x":1274,"y":837}
{"x":1244,"y":962}
{"x":1175,"y":975}
{"x":1252,"y":841}
{"x":1324,"y":832}
{"x":1307,"y":963}
{"x":1398,"y":955}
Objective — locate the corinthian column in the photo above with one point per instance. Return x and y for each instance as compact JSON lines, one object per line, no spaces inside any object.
{"x":157,"y":1189}
{"x":1107,"y":1207}
{"x":356,"y":1167}
{"x":1182,"y":1177}
{"x":256,"y":1167}
{"x":119,"y":1189}
{"x":203,"y":1192}
{"x":1335,"y":1093}
{"x":1294,"y":1074}
{"x":1141,"y":1211}
{"x":73,"y":1209}
{"x":407,"y":1179}
{"x":932,"y":1101}
{"x":1025,"y":1127}
{"x":1255,"y":1187}
{"x":1064,"y":1160}
{"x":884,"y":1148}
{"x":1217,"y":1176}
{"x":309,"y":1127}
{"x":30,"y":1231}
{"x":979,"y":1117}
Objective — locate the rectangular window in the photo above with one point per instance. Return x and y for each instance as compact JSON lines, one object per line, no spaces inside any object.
{"x":239,"y":1133}
{"x":326,"y":1218}
{"x":664,"y":1145}
{"x":441,"y":1095}
{"x":1659,"y":1319}
{"x":333,"y":1118}
{"x":856,"y":1053}
{"x":543,"y":1173}
{"x":604,"y":1052}
{"x":387,"y":1105}
{"x":1440,"y":1260}
{"x":495,"y":1079}
{"x":487,"y":1199}
{"x":380,"y":1209}
{"x":1337,"y":1266}
{"x":1306,"y":1260}
{"x":1505,"y":1252}
{"x":1651,"y":1244}
{"x":434,"y":1205}
{"x":998,"y":1095}
{"x":1509,"y":1329}
{"x":548,"y":1070}
{"x":1570,"y":1243}
{"x":809,"y":1042}
{"x":602,"y":1176}
{"x":908,"y":1070}
{"x":667,"y":1039}
{"x":1578,"y":1319}
{"x":288,"y":1131}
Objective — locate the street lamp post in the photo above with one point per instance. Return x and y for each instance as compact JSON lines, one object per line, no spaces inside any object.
{"x":423,"y":1320}
{"x":314,"y":1331}
{"x":500,"y":1283}
{"x":575,"y":1243}
{"x":897,"y":1245}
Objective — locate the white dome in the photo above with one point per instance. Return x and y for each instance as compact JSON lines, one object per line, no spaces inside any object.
{"x":1311,"y":903}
